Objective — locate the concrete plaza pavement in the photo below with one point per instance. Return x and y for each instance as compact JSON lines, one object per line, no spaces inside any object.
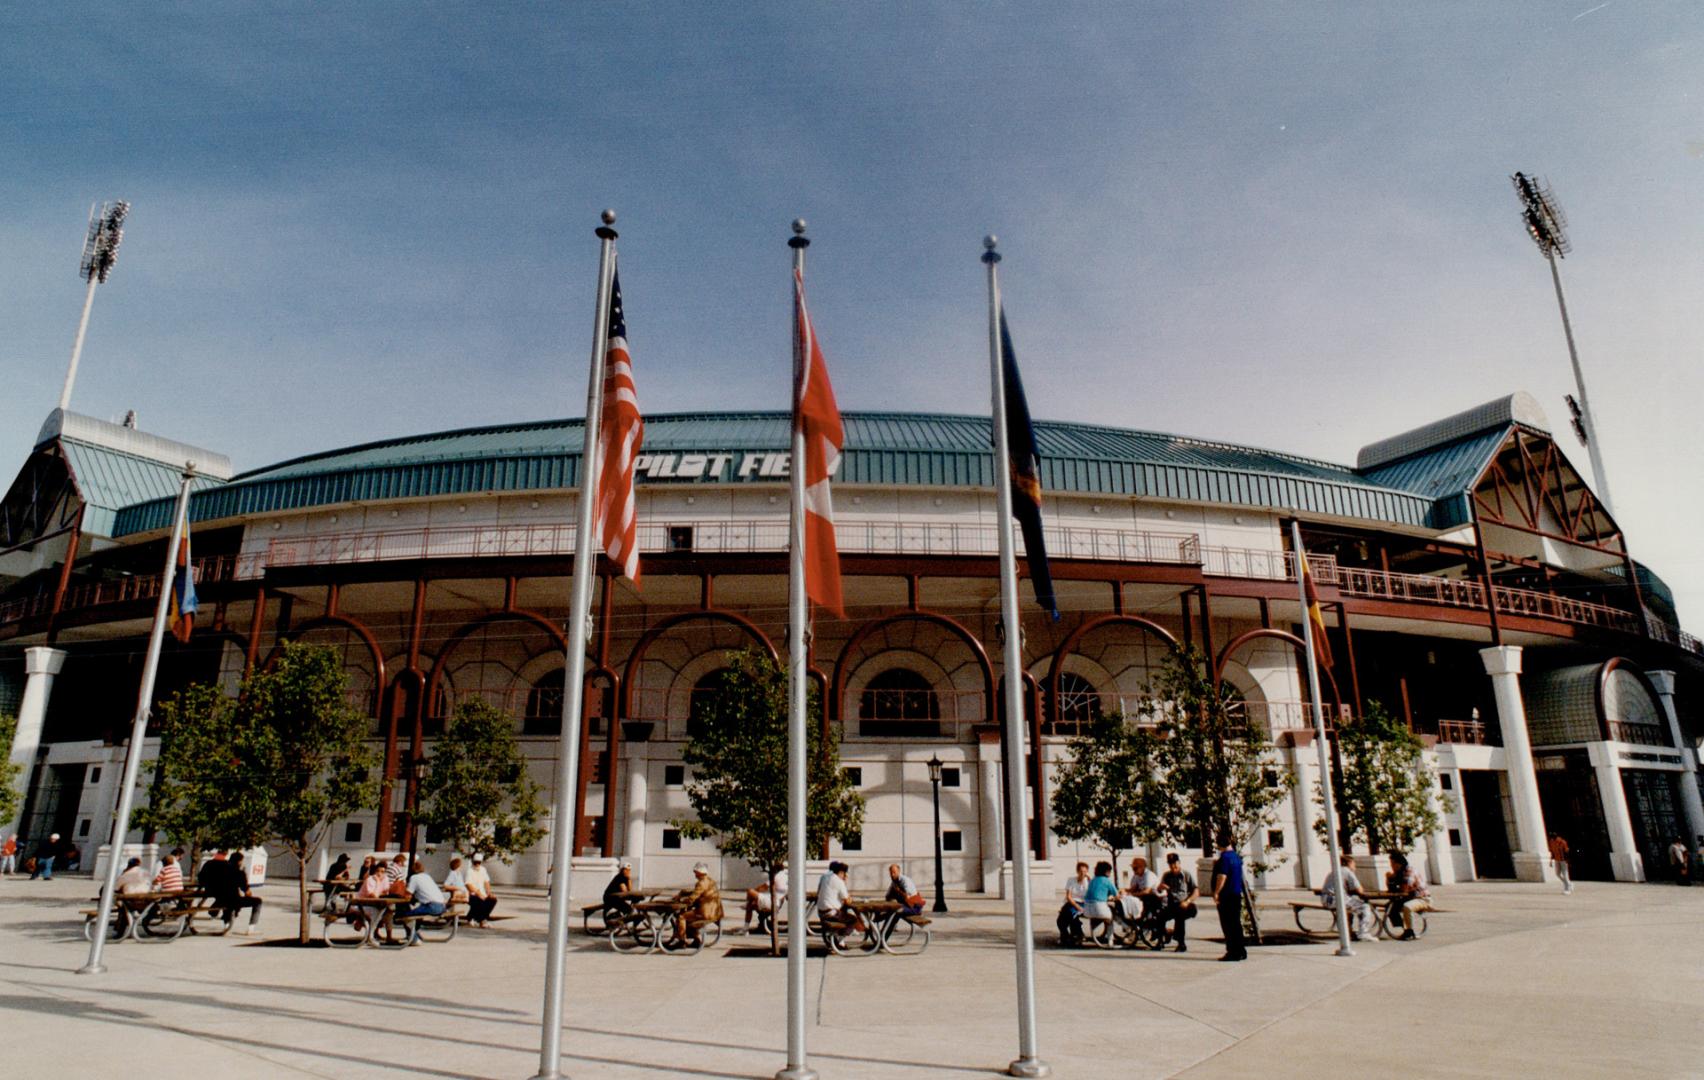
{"x":1515,"y":980}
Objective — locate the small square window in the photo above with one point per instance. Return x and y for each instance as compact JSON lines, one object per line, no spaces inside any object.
{"x":855,"y":842}
{"x":1455,"y":838}
{"x":1446,"y":781}
{"x":680,"y":538}
{"x":671,"y":839}
{"x":502,"y":836}
{"x":1274,"y":838}
{"x":674,"y":775}
{"x":952,"y":840}
{"x":855,"y":776}
{"x":949,"y":777}
{"x":83,"y":827}
{"x":94,"y":774}
{"x":1269,"y":777}
{"x":352,"y":833}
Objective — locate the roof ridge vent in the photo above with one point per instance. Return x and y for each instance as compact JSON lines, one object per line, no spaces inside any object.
{"x":1517,"y":408}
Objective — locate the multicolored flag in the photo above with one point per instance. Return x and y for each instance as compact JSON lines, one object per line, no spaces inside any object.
{"x":1024,"y":472}
{"x":818,"y":417}
{"x":181,"y":608}
{"x":1316,"y":614}
{"x":621,"y":434}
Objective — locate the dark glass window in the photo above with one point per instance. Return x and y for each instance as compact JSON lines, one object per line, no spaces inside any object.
{"x":671,"y":838}
{"x":544,"y":704}
{"x":352,"y":833}
{"x":1079,"y":706}
{"x":706,"y":695}
{"x":949,"y":776}
{"x":855,"y":776}
{"x":952,"y":840}
{"x":855,"y":842}
{"x":674,"y":775}
{"x":899,"y":703}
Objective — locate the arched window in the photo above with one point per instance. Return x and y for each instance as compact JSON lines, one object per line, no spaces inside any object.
{"x":707,"y":693}
{"x":899,"y":703}
{"x":544,"y":704}
{"x":1079,"y":706}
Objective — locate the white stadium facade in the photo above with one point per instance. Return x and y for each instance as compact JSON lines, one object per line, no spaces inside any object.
{"x":1472,"y":584}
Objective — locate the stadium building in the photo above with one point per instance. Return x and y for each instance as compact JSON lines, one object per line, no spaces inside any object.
{"x":1472,"y":582}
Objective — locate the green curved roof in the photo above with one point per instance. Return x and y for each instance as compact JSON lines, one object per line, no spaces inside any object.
{"x":904,"y":449}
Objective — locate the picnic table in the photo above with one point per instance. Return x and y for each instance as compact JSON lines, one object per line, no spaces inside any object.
{"x":1386,"y":915}
{"x":376,"y":920}
{"x":333,"y":892}
{"x":155,"y":916}
{"x":600,"y":910}
{"x":883,"y":925}
{"x":650,"y":927}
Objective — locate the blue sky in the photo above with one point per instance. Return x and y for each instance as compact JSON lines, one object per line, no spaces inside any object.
{"x":1281,"y":224}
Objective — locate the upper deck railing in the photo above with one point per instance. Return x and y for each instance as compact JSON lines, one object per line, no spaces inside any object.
{"x":854,"y":537}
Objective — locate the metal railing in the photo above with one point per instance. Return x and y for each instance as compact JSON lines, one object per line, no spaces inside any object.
{"x":1466,"y":732}
{"x":1638,"y":734}
{"x":130,"y":587}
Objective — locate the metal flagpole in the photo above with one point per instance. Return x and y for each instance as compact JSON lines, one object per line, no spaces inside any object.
{"x":579,"y":619}
{"x":139,"y":727}
{"x":1343,"y":946}
{"x":798,"y":618}
{"x":1029,"y":1062}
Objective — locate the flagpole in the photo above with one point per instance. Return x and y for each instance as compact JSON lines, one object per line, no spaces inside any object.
{"x":139,"y":727}
{"x":1343,"y":946}
{"x":798,"y":620}
{"x":1029,"y":1062}
{"x":579,"y":617}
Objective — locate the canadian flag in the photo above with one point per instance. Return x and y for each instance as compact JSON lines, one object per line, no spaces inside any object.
{"x":817,"y":416}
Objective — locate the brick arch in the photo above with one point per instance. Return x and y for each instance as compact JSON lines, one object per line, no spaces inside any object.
{"x":837,"y":688}
{"x":1288,"y":638}
{"x":1075,"y":637}
{"x":355,"y":626}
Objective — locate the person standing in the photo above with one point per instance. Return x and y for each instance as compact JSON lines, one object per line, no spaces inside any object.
{"x":44,"y":859}
{"x":1559,"y":859}
{"x":9,"y":856}
{"x":1228,"y":896}
{"x":1680,"y":861}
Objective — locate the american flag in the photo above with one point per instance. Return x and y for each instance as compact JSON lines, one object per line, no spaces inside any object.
{"x":621,"y":434}
{"x":818,"y":417}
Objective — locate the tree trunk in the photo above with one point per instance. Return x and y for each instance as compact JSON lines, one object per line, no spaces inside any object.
{"x":774,"y":917}
{"x":302,"y":853}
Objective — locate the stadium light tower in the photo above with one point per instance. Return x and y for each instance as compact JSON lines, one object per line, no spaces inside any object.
{"x":100,"y":253}
{"x":1549,"y":230}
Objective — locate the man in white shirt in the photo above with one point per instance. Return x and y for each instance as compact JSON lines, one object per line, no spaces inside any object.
{"x":759,"y":900}
{"x":1070,"y":930}
{"x":1354,"y":897}
{"x":428,"y":898}
{"x":134,"y":879}
{"x":1141,"y":897}
{"x":480,"y":898}
{"x":833,"y":893}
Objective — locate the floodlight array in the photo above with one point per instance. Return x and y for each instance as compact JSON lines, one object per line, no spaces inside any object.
{"x":100,"y":250}
{"x":1544,"y":220}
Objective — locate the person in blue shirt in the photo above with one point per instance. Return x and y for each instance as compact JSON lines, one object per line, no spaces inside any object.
{"x":1097,"y":904}
{"x":1228,"y":895}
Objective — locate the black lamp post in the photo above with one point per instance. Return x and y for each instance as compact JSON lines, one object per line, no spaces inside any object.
{"x":940,"y":883}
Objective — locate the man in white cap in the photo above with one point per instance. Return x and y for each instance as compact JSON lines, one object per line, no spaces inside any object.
{"x":480,"y":899}
{"x":44,"y":859}
{"x":703,"y":904}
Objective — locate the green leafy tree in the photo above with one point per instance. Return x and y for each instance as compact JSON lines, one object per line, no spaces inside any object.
{"x":282,"y":762}
{"x":738,"y":755}
{"x":1218,"y":764}
{"x":1112,"y":791}
{"x":476,"y":793}
{"x":11,"y":800}
{"x":1385,"y":796}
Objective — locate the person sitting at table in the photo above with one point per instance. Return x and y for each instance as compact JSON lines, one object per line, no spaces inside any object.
{"x":1070,"y":929}
{"x":702,"y":905}
{"x":1097,"y":903}
{"x":455,"y":885}
{"x":169,"y":877}
{"x":426,"y":897}
{"x":759,"y":901}
{"x":1354,"y":897}
{"x":1181,"y":894}
{"x":833,"y":896}
{"x":397,"y":868}
{"x":616,"y":904}
{"x":72,"y":859}
{"x":134,"y":880}
{"x":480,"y":898}
{"x":1142,"y":898}
{"x":222,"y":876}
{"x":904,"y":892}
{"x":339,"y":869}
{"x":1411,"y":892}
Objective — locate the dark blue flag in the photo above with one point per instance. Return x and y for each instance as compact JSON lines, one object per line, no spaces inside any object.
{"x":1024,"y":471}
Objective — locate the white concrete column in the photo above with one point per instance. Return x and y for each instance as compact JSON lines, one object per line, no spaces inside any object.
{"x":1691,"y":805}
{"x":988,"y":817}
{"x":40,"y":666}
{"x":1531,"y":856}
{"x":1625,"y":862}
{"x":1440,"y":859}
{"x":1312,"y":856}
{"x":638,"y":807}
